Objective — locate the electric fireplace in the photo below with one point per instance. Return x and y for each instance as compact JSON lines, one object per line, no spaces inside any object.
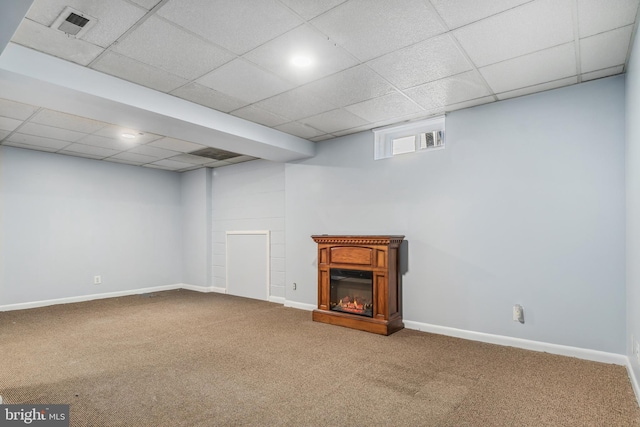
{"x":359,"y":282}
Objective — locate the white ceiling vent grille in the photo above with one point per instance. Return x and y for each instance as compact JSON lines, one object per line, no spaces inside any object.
{"x":73,"y":22}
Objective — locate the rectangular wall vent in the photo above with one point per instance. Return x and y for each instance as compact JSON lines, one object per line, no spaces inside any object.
{"x":409,"y":137}
{"x":73,"y":22}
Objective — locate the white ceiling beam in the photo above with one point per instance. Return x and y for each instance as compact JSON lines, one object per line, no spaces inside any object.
{"x":35,"y":78}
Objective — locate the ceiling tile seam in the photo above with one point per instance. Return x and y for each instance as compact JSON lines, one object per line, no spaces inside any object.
{"x":491,"y":16}
{"x":131,"y":29}
{"x":302,"y":17}
{"x":463,"y":52}
{"x":538,"y":84}
{"x":145,"y":64}
{"x":576,"y":38}
{"x":528,"y":53}
{"x":73,"y":130}
{"x":633,"y":37}
{"x":607,"y":31}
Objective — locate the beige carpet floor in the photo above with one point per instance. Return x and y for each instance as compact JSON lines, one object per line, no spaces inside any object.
{"x":182,"y":358}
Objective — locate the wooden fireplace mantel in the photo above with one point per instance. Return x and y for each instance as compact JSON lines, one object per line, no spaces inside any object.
{"x":378,"y":254}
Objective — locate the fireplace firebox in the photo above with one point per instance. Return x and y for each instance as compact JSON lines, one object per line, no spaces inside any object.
{"x":359,"y":282}
{"x":351,"y":291}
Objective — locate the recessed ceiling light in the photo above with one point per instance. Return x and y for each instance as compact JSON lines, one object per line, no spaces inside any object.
{"x":301,"y":61}
{"x":128,"y":135}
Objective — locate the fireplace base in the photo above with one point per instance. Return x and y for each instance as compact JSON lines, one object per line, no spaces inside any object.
{"x":382,"y":327}
{"x":375,"y":257}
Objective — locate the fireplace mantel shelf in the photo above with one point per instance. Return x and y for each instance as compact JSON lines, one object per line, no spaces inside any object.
{"x":377,"y":254}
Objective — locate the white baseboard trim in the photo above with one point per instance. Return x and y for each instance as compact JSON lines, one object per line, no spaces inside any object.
{"x":634,"y":381}
{"x":563,"y":350}
{"x":300,"y":305}
{"x":81,"y":298}
{"x":204,"y":289}
{"x":279,"y":300}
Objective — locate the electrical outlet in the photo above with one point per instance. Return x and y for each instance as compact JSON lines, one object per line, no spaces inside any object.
{"x":97,"y":280}
{"x":295,"y":286}
{"x":518,"y":313}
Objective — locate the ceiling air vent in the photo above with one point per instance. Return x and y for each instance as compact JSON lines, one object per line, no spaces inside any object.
{"x":73,"y":22}
{"x":215,"y":154}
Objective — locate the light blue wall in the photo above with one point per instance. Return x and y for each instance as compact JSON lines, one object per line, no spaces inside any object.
{"x":250,"y":197}
{"x":195,"y":194}
{"x":525,"y":205}
{"x":65,"y":219}
{"x":633,"y":202}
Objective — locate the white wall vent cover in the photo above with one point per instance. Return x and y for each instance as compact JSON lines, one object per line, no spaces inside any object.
{"x":73,"y":22}
{"x":408,"y":137}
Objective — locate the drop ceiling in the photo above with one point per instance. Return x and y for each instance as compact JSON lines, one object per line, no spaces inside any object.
{"x":220,"y":71}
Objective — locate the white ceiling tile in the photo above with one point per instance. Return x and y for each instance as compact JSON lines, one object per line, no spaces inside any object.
{"x":370,"y":28}
{"x":171,"y":164}
{"x":238,"y":25}
{"x":450,"y":90}
{"x":51,"y":132}
{"x":385,"y":107}
{"x":597,"y":16}
{"x":538,"y":88}
{"x":166,"y":168}
{"x":466,"y":104}
{"x":525,"y":29}
{"x":16,"y":110}
{"x":605,"y":50}
{"x":163,"y":45}
{"x":203,"y":95}
{"x":9,"y":124}
{"x":140,"y":159}
{"x":29,"y":147}
{"x":326,"y":57}
{"x":528,"y":70}
{"x":137,"y":72}
{"x":124,"y":162}
{"x":38,"y":141}
{"x":154,"y":152}
{"x":299,"y":129}
{"x":147,"y":4}
{"x":4,"y":134}
{"x":241,"y":159}
{"x":296,"y":104}
{"x":176,"y":145}
{"x":191,"y":168}
{"x":101,"y":141}
{"x":115,"y":132}
{"x":350,"y":86}
{"x":243,"y":80}
{"x":85,"y":155}
{"x":44,"y":39}
{"x":421,"y":63}
{"x":114,"y":17}
{"x":67,"y":121}
{"x":335,"y":120}
{"x":90,"y":150}
{"x":259,"y":115}
{"x":462,"y":12}
{"x":191,"y":159}
{"x":602,"y":73}
{"x":217,"y":163}
{"x":309,"y":9}
{"x":322,"y":137}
